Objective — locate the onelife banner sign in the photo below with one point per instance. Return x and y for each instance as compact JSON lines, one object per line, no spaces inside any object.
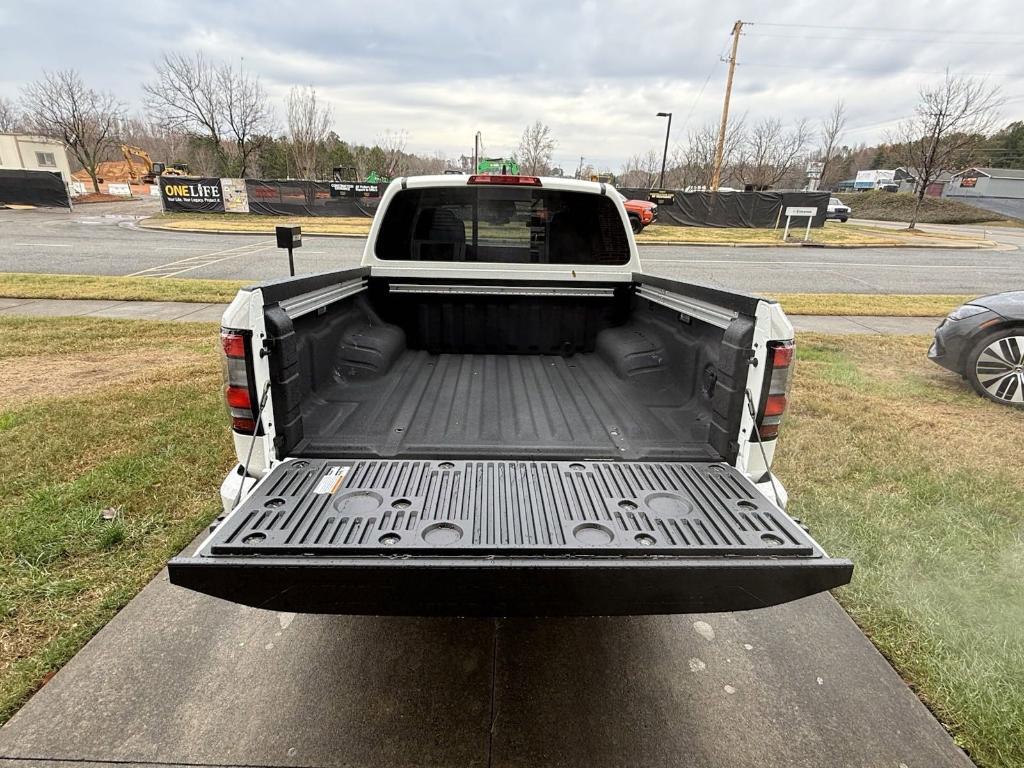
{"x":200,"y":194}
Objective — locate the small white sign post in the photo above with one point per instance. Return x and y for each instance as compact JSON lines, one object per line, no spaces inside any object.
{"x":796,"y":210}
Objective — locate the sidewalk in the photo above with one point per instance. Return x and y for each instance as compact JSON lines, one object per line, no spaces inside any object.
{"x":186,"y":312}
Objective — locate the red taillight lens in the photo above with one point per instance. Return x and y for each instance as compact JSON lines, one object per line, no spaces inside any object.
{"x":498,"y":178}
{"x":775,"y":394}
{"x":238,"y":397}
{"x":238,"y":390}
{"x":233,"y":344}
{"x":775,"y":406}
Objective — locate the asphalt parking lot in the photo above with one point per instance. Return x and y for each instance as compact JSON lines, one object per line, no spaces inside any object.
{"x":103,"y":239}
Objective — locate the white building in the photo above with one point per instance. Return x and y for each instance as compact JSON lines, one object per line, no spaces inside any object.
{"x":26,"y":152}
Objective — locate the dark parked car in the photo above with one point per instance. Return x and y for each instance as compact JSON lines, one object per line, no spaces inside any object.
{"x":983,"y":341}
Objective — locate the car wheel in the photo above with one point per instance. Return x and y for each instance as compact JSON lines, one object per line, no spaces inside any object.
{"x":636,"y":224}
{"x":842,"y":219}
{"x":995,"y":367}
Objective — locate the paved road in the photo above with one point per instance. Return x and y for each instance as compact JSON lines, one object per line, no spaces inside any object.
{"x":103,"y":239}
{"x":178,"y":678}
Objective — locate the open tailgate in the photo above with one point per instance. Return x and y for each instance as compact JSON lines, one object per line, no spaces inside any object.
{"x":505,"y":538}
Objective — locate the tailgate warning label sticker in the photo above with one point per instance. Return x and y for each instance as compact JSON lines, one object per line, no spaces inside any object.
{"x":332,"y":481}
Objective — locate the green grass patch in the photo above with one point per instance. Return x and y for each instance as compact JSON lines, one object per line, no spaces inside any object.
{"x":899,"y":206}
{"x":20,"y":285}
{"x":896,"y":464}
{"x":152,"y":452}
{"x":872,"y":304}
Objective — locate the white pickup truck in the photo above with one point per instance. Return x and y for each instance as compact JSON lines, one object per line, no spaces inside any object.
{"x":500,"y":413}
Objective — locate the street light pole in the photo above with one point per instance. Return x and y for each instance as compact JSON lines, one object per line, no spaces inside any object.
{"x":664,"y":155}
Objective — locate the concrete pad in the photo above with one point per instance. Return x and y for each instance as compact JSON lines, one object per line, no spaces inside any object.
{"x":209,"y":313}
{"x":794,"y":685}
{"x":179,"y":677}
{"x":58,"y":307}
{"x":827,"y":324}
{"x":8,"y":303}
{"x":150,"y":310}
{"x":899,"y":325}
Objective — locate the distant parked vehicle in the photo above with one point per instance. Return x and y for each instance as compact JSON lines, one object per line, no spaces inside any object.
{"x":983,"y":341}
{"x":640,"y":212}
{"x":837,"y":210}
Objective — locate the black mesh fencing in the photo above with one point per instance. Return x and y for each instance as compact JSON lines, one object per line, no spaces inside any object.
{"x":732,"y":209}
{"x":311,"y":198}
{"x":41,"y":188}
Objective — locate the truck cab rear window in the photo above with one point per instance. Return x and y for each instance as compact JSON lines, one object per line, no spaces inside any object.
{"x":503,"y":225}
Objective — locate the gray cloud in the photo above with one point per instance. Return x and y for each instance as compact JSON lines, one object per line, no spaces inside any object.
{"x":596,"y":71}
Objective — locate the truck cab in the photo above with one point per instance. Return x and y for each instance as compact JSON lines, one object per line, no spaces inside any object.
{"x":500,"y":413}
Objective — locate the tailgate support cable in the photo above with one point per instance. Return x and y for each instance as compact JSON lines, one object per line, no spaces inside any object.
{"x":252,"y":443}
{"x":760,"y":444}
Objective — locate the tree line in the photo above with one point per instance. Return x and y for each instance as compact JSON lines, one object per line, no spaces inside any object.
{"x":952,"y":127}
{"x":217,"y":118}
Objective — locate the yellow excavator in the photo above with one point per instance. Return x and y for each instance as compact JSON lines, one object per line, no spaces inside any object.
{"x":153,"y":170}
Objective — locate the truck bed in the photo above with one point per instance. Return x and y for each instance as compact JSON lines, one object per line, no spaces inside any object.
{"x":489,"y":537}
{"x":459,"y":405}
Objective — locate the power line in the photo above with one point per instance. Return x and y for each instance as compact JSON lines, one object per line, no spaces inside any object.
{"x":873,"y":71}
{"x":919,"y":30}
{"x":865,"y":38}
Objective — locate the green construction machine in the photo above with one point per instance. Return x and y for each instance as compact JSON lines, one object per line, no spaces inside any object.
{"x":497,"y":165}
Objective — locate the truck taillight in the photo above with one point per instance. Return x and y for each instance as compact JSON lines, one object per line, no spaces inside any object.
{"x":238,"y":388}
{"x":776,"y":392}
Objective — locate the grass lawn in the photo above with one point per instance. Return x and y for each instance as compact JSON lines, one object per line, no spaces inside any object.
{"x":95,"y":415}
{"x":27,"y":285}
{"x":833,"y":233}
{"x":891,"y":461}
{"x":899,"y":206}
{"x":896,"y":464}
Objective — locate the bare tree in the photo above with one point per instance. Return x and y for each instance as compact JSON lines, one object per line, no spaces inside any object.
{"x":947,"y":128}
{"x":309,"y":125}
{"x":695,"y":163}
{"x":224,"y":106}
{"x":9,"y":117}
{"x":87,"y":121}
{"x":536,"y":148}
{"x":770,"y":153}
{"x":395,"y":159}
{"x":641,"y":170}
{"x":831,"y":130}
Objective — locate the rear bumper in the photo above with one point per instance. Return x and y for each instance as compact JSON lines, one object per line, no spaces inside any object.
{"x":507,"y":538}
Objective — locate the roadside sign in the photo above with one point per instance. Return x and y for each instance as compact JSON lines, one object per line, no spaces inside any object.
{"x":124,"y":190}
{"x":814,"y":170}
{"x":796,"y":210}
{"x":807,"y":211}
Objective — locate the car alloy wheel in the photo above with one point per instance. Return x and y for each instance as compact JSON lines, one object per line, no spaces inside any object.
{"x":999,"y":370}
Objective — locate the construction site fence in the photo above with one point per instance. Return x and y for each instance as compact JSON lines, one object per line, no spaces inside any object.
{"x":731,"y":209}
{"x":359,"y":199}
{"x":38,"y":188}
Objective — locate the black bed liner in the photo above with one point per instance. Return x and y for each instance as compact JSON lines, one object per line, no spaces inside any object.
{"x":465,"y":405}
{"x":507,"y":537}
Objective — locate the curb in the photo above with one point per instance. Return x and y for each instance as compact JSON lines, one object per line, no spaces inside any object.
{"x":260,"y":232}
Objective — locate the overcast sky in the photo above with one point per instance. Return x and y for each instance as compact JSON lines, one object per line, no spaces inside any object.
{"x":596,"y":72}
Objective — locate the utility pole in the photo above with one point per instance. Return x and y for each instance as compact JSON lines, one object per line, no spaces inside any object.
{"x":476,"y":151}
{"x":664,"y":156}
{"x":716,"y":177}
